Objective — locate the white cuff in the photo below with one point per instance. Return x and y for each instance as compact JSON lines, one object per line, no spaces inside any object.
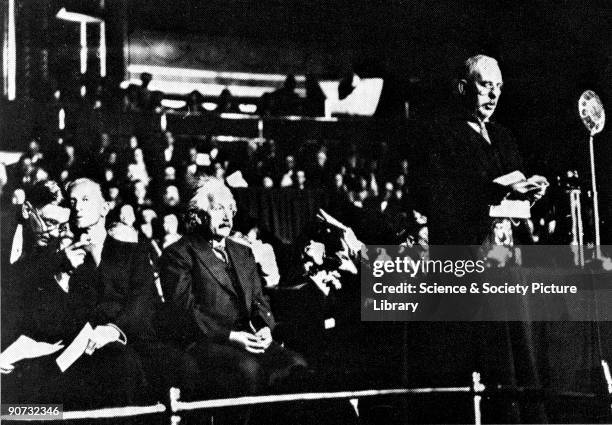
{"x":122,"y":338}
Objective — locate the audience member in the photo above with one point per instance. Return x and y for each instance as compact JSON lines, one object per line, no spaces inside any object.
{"x":194,"y":102}
{"x":314,"y":104}
{"x":226,"y":102}
{"x":121,"y":277}
{"x":171,"y":234}
{"x":219,"y":312}
{"x":171,"y":199}
{"x":61,"y":300}
{"x":145,"y":96}
{"x":288,"y":173}
{"x":285,"y":101}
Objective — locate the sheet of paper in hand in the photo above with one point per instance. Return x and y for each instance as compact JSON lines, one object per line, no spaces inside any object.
{"x":326,"y":218}
{"x":76,"y":348}
{"x":27,"y":348}
{"x":510,"y":178}
{"x":510,"y":209}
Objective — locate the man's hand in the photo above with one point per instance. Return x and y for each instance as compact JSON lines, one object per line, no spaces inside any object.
{"x":541,"y":183}
{"x":346,"y":259}
{"x":40,"y":349}
{"x":535,"y":186}
{"x":101,"y":336}
{"x":315,"y":251}
{"x":265,"y":336}
{"x":354,"y":244}
{"x":248,"y":341}
{"x":75,"y":254}
{"x":523,"y":186}
{"x":6,"y":368}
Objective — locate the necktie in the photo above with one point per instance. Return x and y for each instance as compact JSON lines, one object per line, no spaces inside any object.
{"x":17,"y":246}
{"x":220,"y":252}
{"x":484,"y":132}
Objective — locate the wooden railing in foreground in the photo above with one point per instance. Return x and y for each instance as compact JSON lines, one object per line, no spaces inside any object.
{"x":477,"y":390}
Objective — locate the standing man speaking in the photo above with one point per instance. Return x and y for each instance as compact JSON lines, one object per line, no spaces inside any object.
{"x":467,"y":155}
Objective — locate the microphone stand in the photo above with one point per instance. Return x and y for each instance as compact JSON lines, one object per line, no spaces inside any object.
{"x":593,"y":117}
{"x":595,"y":200}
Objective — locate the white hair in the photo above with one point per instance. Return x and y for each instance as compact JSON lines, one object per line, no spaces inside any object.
{"x":84,"y":180}
{"x":473,"y":63}
{"x":208,"y":190}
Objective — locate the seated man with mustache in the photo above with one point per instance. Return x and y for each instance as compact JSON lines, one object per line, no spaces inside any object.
{"x":218,"y":311}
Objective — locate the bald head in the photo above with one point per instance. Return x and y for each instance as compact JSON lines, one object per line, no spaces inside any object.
{"x":87,"y":203}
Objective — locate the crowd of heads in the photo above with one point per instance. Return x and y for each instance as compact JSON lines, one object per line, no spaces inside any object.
{"x":148,"y":178}
{"x":148,"y":182}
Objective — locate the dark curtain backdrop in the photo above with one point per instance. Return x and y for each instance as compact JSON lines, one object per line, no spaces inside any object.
{"x":283,"y":212}
{"x":556,"y":357}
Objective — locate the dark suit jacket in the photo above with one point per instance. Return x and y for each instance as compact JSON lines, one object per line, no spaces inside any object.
{"x":459,"y":173}
{"x":202,"y":301}
{"x":121,"y":290}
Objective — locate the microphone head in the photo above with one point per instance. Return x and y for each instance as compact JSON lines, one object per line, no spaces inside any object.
{"x":591,"y":111}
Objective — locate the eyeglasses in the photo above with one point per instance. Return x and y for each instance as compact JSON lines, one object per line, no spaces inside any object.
{"x":46,"y":225}
{"x":487,"y":87}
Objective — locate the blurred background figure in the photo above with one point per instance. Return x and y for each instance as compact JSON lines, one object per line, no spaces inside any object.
{"x":171,"y":234}
{"x":226,"y":102}
{"x":194,"y":103}
{"x":285,"y":101}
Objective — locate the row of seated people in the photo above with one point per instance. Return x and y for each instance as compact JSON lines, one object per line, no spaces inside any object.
{"x":155,"y":177}
{"x":119,"y":160}
{"x":214,"y":332}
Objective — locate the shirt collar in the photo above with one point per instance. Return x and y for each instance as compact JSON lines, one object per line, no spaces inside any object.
{"x":475,"y":120}
{"x":96,"y":236}
{"x":218,"y":244}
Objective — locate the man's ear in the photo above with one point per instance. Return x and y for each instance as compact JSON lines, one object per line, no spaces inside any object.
{"x":26,"y":210}
{"x":460,"y":86}
{"x":105,"y":208}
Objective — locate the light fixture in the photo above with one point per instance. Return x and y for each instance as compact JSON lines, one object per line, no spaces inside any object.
{"x":76,"y":16}
{"x":9,"y":63}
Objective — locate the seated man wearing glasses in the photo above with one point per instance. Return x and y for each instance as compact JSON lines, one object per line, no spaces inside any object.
{"x":56,"y":307}
{"x":42,"y":220}
{"x":218,"y":310}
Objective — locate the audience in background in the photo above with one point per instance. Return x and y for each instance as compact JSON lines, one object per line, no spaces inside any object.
{"x":284,"y":101}
{"x":157,"y":174}
{"x":171,"y":235}
{"x":314,"y":104}
{"x":226,"y":102}
{"x":144,"y":94}
{"x":194,"y":102}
